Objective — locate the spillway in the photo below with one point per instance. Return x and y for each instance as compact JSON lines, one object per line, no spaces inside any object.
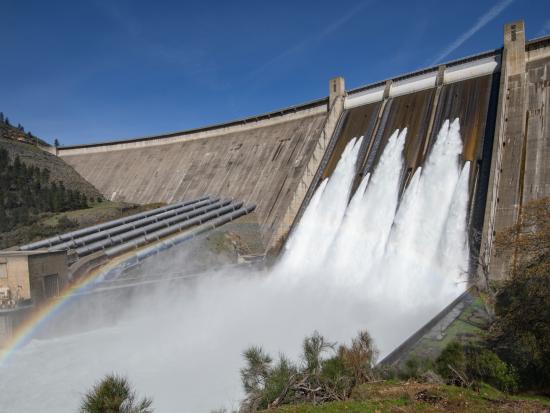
{"x":419,"y":244}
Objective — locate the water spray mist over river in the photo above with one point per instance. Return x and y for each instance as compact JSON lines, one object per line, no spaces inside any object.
{"x":370,"y":264}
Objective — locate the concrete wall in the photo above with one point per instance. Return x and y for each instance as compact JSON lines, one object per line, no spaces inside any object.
{"x":520,"y":169}
{"x":537,"y":151}
{"x":260,"y":162}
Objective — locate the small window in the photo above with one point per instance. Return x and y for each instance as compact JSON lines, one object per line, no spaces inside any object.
{"x":3,"y":270}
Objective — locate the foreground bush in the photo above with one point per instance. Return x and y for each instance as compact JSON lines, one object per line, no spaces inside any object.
{"x":469,"y":365}
{"x":324,"y":373}
{"x":114,"y":394}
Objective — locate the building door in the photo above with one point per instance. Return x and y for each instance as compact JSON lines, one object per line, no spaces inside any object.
{"x":51,"y":285}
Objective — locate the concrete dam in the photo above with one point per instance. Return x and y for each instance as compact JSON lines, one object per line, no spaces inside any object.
{"x":376,"y":199}
{"x":276,"y":160}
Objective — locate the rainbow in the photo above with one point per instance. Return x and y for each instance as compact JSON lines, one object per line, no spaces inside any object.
{"x":48,"y":310}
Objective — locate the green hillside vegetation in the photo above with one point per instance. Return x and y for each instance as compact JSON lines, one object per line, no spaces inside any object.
{"x":35,"y":205}
{"x":28,"y":191}
{"x":414,"y":396}
{"x":60,"y":171}
{"x":51,"y":223}
{"x":329,"y":378}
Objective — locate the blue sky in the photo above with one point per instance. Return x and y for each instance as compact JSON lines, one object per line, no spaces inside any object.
{"x":88,"y":71}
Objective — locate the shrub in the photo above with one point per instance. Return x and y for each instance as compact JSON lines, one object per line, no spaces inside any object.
{"x":415,"y":367}
{"x":114,"y":394}
{"x":254,"y":377}
{"x":318,"y":379}
{"x":465,"y":365}
{"x":360,"y":357}
{"x":278,"y":387}
{"x":485,"y":365}
{"x":451,"y":360}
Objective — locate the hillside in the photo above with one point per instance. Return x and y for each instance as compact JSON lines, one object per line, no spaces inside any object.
{"x":32,"y":155}
{"x":51,"y":223}
{"x":18,"y":133}
{"x":29,"y":148}
{"x":40,"y":193}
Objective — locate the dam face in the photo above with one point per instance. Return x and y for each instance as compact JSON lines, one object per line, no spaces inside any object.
{"x":263,"y":160}
{"x":277,"y":160}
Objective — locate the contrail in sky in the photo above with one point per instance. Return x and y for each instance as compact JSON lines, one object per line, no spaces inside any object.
{"x":480,"y":24}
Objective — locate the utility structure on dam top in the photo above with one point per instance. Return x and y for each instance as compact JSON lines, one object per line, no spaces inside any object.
{"x":276,"y":160}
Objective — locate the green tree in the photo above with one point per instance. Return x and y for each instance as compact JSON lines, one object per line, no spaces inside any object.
{"x":521,"y":331}
{"x":314,"y":348}
{"x":114,"y":394}
{"x":254,"y":377}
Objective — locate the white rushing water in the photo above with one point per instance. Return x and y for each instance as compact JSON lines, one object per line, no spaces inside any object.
{"x":378,"y":263}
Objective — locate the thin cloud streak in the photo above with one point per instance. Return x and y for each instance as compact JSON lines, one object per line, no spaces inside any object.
{"x":300,"y":46}
{"x":480,"y":24}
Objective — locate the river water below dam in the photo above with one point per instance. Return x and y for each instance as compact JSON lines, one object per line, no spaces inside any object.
{"x":386,"y":261}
